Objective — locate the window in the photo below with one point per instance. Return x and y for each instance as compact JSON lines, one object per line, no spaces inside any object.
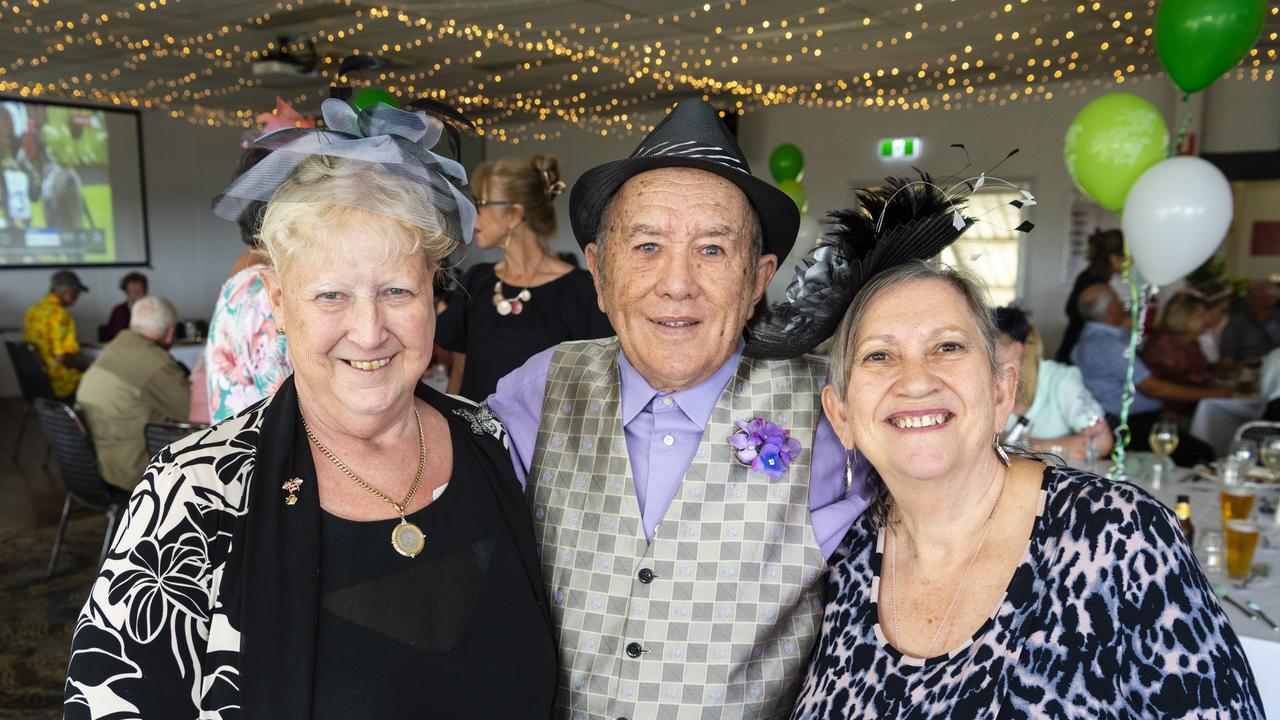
{"x":992,"y":248}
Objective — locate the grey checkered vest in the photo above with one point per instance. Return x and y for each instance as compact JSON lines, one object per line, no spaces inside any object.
{"x":713,"y":619}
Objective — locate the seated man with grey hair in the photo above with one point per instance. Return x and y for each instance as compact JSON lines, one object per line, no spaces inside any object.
{"x":133,"y":382}
{"x":1101,"y":354}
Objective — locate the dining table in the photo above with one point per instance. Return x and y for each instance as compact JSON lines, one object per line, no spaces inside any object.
{"x":1259,"y":637}
{"x":187,"y":353}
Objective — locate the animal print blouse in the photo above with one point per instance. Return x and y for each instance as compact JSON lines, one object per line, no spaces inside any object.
{"x":1107,"y":616}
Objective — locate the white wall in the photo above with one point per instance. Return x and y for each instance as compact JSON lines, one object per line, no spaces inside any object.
{"x":191,"y":249}
{"x":840,"y":150}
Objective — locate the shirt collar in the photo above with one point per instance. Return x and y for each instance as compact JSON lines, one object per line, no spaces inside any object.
{"x":1101,"y":327}
{"x":697,"y":402}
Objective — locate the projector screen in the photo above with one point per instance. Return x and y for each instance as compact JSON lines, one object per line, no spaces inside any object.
{"x":72,"y":186}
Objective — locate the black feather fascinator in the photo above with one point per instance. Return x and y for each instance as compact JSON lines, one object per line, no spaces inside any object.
{"x":902,"y":221}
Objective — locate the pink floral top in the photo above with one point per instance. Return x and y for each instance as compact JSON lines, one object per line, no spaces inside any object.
{"x":245,"y":360}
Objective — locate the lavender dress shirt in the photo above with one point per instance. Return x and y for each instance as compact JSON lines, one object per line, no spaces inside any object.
{"x":663,"y":431}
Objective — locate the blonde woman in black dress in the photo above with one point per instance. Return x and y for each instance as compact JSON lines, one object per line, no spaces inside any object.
{"x":503,"y":313}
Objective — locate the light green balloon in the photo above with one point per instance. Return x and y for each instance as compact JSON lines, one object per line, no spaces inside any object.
{"x":1113,"y":140}
{"x":795,"y":191}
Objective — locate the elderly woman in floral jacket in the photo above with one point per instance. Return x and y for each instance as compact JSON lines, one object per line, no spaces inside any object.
{"x":355,"y":545}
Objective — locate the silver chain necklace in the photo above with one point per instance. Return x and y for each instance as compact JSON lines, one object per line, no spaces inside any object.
{"x":893,"y":562}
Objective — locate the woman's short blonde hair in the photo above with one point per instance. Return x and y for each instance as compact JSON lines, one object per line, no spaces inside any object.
{"x":1178,"y":313}
{"x":317,"y":196}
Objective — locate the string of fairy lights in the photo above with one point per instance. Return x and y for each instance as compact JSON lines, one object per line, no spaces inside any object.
{"x":505,"y":74}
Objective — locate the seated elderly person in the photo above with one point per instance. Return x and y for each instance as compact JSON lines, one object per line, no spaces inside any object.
{"x":1100,"y":355}
{"x":1172,"y":349}
{"x":1252,"y":330}
{"x":1216,"y":297}
{"x":134,"y":285}
{"x":985,"y":584}
{"x":1059,"y":411}
{"x":51,"y":329}
{"x":355,"y":545}
{"x":133,"y":382}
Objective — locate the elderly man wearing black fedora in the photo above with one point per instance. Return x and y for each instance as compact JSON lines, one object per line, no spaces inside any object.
{"x":685,"y":496}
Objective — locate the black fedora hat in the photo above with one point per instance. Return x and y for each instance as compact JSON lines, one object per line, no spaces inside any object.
{"x":693,"y":136}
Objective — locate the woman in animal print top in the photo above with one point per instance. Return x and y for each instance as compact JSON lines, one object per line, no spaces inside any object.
{"x":980,"y":586}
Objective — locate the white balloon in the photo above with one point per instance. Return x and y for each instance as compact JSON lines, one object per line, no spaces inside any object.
{"x":1175,"y":217}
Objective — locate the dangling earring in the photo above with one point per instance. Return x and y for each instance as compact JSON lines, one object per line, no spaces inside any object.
{"x":1000,"y":452}
{"x":280,"y":332}
{"x":848,"y":470}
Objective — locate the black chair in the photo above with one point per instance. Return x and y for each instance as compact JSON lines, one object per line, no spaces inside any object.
{"x":32,"y":379}
{"x":162,"y":434}
{"x":78,"y":466}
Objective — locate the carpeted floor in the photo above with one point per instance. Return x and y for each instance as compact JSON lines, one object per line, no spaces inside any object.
{"x":38,"y":614}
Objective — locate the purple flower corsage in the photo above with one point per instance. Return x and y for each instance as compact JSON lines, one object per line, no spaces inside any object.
{"x":763,"y":446}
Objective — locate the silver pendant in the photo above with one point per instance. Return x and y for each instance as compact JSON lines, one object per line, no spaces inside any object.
{"x":407,"y":538}
{"x":504,"y":307}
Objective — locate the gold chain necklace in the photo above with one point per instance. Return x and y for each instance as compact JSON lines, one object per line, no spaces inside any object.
{"x":406,"y":537}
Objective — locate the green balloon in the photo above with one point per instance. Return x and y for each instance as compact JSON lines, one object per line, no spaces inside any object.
{"x":371,"y":96}
{"x":1199,"y":40}
{"x":795,"y":191}
{"x":1113,"y":140}
{"x":786,"y":163}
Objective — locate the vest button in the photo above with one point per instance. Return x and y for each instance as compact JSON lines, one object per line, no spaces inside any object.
{"x":646,"y":575}
{"x":634,"y":650}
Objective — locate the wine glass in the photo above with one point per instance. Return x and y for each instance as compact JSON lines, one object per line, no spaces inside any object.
{"x":1246,"y":451}
{"x":1271,"y":455}
{"x":1163,"y":440}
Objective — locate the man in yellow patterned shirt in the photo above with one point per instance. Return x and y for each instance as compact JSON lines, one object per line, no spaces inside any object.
{"x":52,"y":330}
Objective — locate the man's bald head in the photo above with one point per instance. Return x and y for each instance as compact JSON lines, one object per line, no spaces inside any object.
{"x":1099,"y":303}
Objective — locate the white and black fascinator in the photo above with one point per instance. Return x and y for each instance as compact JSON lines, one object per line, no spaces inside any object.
{"x":902,"y":221}
{"x":397,"y":141}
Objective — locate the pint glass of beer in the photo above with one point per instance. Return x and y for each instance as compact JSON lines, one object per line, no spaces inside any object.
{"x":1237,"y":502}
{"x":1242,"y":540}
{"x":1236,"y":498}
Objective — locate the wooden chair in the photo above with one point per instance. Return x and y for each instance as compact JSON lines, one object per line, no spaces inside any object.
{"x":78,"y":466}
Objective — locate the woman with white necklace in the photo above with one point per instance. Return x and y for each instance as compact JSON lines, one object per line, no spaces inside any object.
{"x":503,"y":313}
{"x":984,"y":585}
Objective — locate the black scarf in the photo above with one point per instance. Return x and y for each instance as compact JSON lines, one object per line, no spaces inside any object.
{"x":277,"y":566}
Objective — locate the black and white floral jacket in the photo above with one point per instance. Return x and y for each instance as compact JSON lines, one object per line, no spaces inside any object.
{"x":206,"y":604}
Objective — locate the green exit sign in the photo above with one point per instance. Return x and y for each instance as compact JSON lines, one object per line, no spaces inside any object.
{"x":900,"y":148}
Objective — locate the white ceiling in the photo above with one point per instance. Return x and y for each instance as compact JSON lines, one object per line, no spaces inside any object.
{"x":526,"y":67}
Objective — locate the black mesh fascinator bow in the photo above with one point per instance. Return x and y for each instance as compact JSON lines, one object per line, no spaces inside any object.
{"x":902,"y":221}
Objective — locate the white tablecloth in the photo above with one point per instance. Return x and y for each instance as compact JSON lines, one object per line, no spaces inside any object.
{"x":185,"y":353}
{"x":1261,"y":644}
{"x":1217,"y":419}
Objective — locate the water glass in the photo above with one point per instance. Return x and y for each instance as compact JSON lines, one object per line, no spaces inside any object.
{"x":1246,"y":451}
{"x":1211,"y":547}
{"x":1091,"y":448}
{"x":1271,"y":456}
